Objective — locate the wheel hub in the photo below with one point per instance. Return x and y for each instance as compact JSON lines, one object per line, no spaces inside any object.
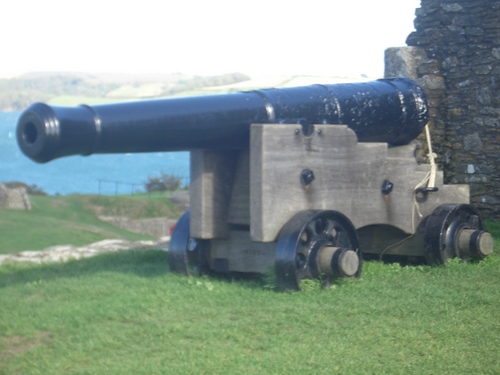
{"x":315,"y":243}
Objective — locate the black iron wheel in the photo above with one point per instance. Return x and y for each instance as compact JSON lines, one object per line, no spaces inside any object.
{"x":443,"y":228}
{"x":187,"y":255}
{"x":303,"y":238}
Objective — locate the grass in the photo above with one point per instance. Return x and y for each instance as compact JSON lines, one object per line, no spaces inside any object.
{"x":72,"y":220}
{"x":138,"y":206}
{"x":126,"y":313}
{"x":493,"y":227}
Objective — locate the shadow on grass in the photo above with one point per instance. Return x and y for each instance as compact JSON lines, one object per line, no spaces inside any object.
{"x":149,"y":263}
{"x":154,"y":263}
{"x":143,"y":263}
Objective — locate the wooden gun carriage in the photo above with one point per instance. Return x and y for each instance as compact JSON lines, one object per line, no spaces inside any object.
{"x":308,"y":180}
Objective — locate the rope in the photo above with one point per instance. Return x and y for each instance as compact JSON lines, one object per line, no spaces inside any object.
{"x":396,"y":244}
{"x":432,"y":158}
{"x":429,"y":179}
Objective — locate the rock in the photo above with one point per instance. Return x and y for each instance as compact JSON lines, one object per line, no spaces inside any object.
{"x":496,"y":53}
{"x":63,"y":253}
{"x":472,"y":142}
{"x":403,"y":61}
{"x":452,"y":7}
{"x":16,"y":199}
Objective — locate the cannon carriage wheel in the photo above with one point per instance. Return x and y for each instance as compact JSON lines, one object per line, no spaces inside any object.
{"x":455,"y":230}
{"x":187,"y":255}
{"x":316,"y":242}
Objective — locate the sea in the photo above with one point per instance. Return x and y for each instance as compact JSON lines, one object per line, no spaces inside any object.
{"x":95,"y":174}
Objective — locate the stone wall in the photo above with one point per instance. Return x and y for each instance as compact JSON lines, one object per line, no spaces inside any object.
{"x":458,"y":63}
{"x":157,"y":227}
{"x":412,"y":62}
{"x":14,"y":198}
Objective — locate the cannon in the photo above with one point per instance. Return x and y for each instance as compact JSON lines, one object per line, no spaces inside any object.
{"x":307,"y":181}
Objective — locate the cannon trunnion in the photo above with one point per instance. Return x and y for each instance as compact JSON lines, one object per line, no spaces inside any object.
{"x":274,"y":184}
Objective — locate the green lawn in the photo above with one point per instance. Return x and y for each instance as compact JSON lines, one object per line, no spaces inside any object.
{"x":125,"y":313}
{"x":73,"y":220}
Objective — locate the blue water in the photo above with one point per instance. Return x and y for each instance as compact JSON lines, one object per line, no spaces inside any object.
{"x":117,"y":173}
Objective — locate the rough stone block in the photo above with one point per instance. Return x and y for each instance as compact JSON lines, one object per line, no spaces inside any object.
{"x":16,"y":199}
{"x":403,"y":61}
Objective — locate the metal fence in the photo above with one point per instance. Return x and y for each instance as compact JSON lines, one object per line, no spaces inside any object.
{"x":113,"y":187}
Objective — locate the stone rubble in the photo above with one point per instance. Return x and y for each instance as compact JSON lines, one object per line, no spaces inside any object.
{"x":63,"y":253}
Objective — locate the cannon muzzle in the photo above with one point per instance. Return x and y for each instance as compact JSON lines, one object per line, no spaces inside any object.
{"x":388,"y":110}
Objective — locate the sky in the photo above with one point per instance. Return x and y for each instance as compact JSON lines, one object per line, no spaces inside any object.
{"x":343,"y":38}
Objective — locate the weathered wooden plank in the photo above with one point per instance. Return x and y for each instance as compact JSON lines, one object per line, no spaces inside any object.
{"x":348,"y":178}
{"x":406,"y":151}
{"x":239,"y":207}
{"x":388,"y":240}
{"x":242,"y":254}
{"x":212,"y":176}
{"x":343,"y":174}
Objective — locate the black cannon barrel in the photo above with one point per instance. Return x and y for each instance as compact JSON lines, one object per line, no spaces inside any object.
{"x":388,"y":110}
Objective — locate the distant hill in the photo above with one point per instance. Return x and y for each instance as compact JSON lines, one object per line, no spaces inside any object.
{"x":18,"y":92}
{"x":72,"y":88}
